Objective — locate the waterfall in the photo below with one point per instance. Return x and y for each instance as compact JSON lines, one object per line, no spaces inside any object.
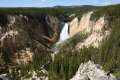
{"x":64,"y":34}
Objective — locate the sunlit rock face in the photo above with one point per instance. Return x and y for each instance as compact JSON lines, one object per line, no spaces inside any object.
{"x":85,"y":22}
{"x":79,"y":26}
{"x":73,"y":27}
{"x":91,"y":71}
{"x":99,"y":24}
{"x":93,"y":40}
{"x":98,"y":34}
{"x":96,"y":30}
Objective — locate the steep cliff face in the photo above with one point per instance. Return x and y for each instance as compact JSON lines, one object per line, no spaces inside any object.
{"x":84,"y":25}
{"x":18,"y":33}
{"x":98,"y":34}
{"x":97,"y":30}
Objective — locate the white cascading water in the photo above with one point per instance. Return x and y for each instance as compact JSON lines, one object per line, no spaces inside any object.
{"x":64,"y":34}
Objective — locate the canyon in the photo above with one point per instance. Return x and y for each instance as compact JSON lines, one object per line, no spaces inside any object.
{"x":41,"y":44}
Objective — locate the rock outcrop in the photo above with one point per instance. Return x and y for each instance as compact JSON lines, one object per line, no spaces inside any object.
{"x":91,"y":71}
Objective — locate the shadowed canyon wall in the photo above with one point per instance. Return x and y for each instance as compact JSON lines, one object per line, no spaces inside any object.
{"x":21,"y":34}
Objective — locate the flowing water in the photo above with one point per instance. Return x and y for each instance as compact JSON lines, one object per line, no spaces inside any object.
{"x":64,"y":34}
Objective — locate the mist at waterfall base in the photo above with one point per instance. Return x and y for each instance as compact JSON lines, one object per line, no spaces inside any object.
{"x":64,"y":35}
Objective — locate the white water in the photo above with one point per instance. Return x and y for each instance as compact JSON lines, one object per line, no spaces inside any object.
{"x":64,"y":35}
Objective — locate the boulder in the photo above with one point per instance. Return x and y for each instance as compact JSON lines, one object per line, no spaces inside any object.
{"x":91,"y":71}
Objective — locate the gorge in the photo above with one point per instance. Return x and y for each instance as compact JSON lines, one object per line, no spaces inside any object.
{"x":82,"y":46}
